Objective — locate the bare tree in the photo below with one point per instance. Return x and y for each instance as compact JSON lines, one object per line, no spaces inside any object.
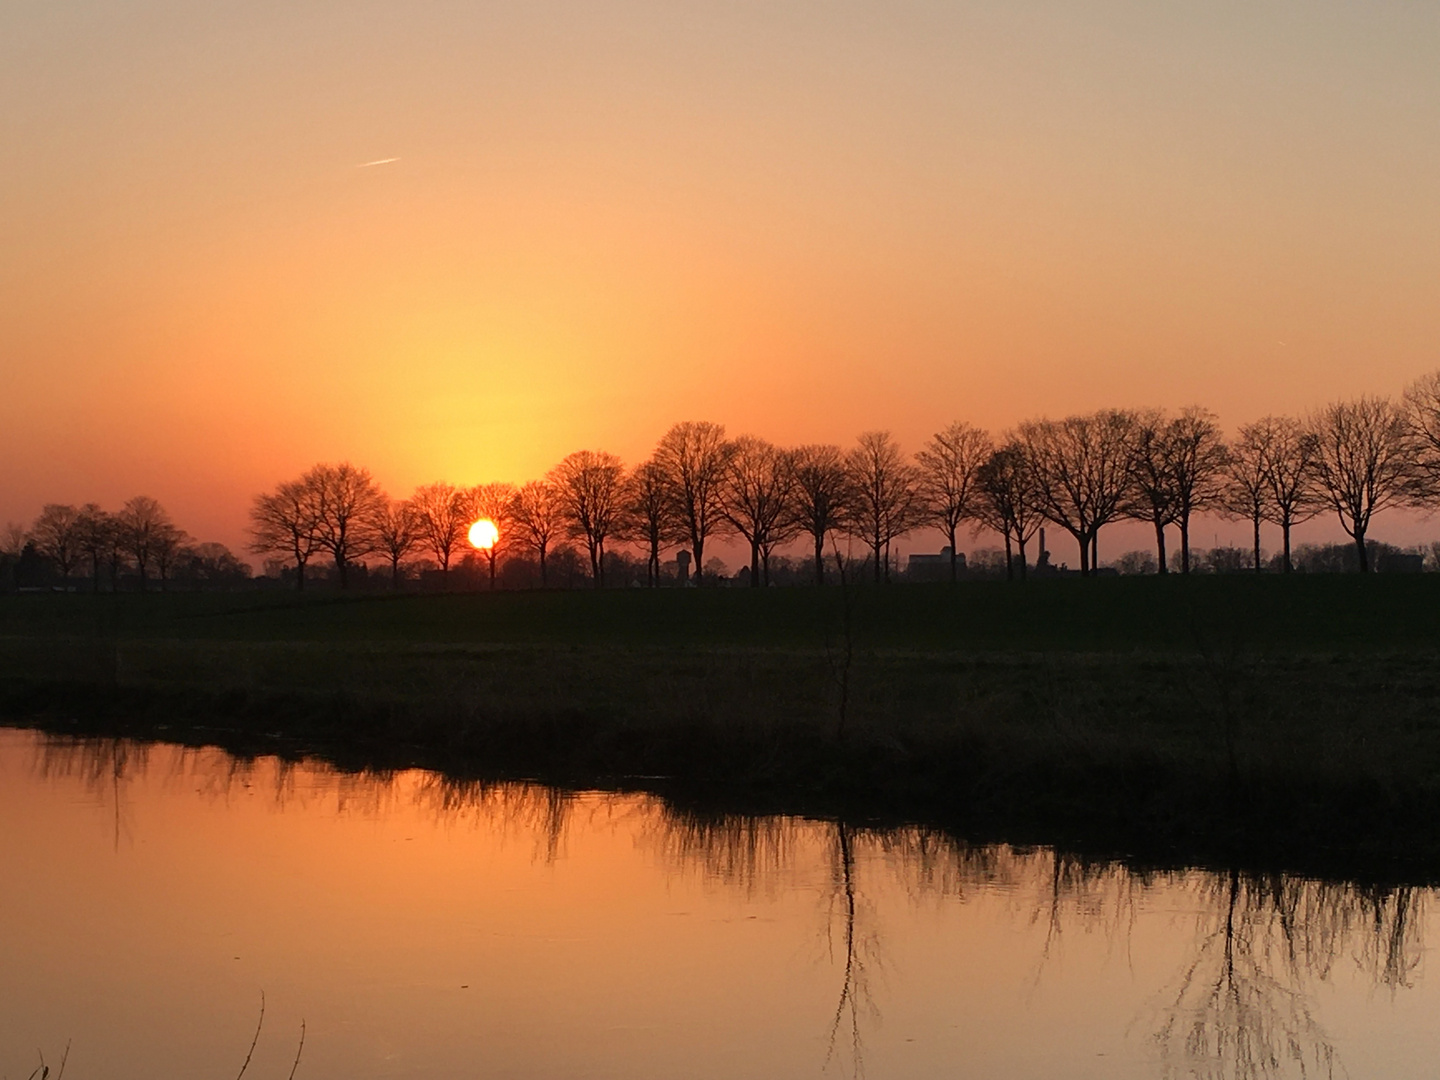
{"x":443,"y":514}
{"x":539,"y":517}
{"x":1197,"y":459}
{"x":756,"y":499}
{"x":94,"y":528}
{"x":1362,"y":462}
{"x":1288,"y":451}
{"x":946,"y":479}
{"x":820,"y":497}
{"x":346,"y":500}
{"x":591,"y":484}
{"x":1153,"y":496}
{"x":170,"y":541}
{"x":396,"y":526}
{"x":495,"y":503}
{"x":1421,"y":407}
{"x":649,"y":516}
{"x":1009,"y":501}
{"x":1247,"y":483}
{"x":286,"y":522}
{"x":56,"y":535}
{"x":1082,"y":472}
{"x":885,"y":504}
{"x":694,"y":456}
{"x":13,"y":539}
{"x":144,"y":529}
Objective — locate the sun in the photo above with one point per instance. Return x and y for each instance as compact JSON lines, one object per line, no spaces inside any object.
{"x":484,"y":534}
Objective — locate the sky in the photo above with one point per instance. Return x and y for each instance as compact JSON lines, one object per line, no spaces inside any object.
{"x":802,"y":220}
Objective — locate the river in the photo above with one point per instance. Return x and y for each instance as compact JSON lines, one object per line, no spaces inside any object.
{"x":156,"y":898}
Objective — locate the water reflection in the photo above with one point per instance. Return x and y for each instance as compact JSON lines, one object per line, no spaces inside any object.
{"x":1240,"y":1004}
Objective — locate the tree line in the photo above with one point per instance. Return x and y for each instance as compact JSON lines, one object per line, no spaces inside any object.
{"x":1352,"y":459}
{"x":139,"y":541}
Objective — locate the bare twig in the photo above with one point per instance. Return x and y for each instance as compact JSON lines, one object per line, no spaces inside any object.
{"x":298,"y":1050}
{"x":255,"y":1040}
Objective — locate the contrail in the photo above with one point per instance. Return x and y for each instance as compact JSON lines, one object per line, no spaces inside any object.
{"x":382,"y":161}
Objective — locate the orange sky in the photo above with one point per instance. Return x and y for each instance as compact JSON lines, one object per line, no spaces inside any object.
{"x":799,"y":219}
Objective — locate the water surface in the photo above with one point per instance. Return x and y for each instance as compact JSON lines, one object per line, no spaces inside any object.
{"x":424,"y":927}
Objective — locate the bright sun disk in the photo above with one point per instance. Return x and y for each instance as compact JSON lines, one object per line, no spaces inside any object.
{"x":483,"y":534}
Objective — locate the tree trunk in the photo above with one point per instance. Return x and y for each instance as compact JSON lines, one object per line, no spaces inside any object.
{"x":954,"y":569}
{"x":820,"y":558}
{"x":1360,"y":550}
{"x":1020,"y":541}
{"x":1285,"y":534}
{"x":544,"y":580}
{"x":394,"y":573}
{"x":1184,"y":543}
{"x":698,"y":546}
{"x":754,"y":565}
{"x":343,"y":571}
{"x":1256,"y":521}
{"x":1084,"y":542}
{"x":490,"y":558}
{"x":1009,"y":558}
{"x":1160,"y":546}
{"x":1095,"y":549}
{"x":299,"y":574}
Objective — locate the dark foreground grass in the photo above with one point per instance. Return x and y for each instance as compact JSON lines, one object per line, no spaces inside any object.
{"x":1279,"y":724}
{"x":1324,"y":612}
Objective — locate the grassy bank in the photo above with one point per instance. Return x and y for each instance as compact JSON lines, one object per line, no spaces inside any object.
{"x":1286,"y":724}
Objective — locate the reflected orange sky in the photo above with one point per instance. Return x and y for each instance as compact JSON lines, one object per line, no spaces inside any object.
{"x":801,"y":220}
{"x":515,"y":932}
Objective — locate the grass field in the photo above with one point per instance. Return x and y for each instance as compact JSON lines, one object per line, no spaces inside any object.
{"x":1342,"y":613}
{"x":1289,"y":723}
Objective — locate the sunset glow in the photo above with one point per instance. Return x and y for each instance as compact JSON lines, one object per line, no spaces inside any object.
{"x":595,"y":220}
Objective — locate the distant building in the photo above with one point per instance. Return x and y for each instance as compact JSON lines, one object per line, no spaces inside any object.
{"x":933,"y":567}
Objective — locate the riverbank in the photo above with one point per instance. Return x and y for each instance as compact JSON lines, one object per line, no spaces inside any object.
{"x":1284,"y":755}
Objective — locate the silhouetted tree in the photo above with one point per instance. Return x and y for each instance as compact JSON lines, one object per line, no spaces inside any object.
{"x":1082,"y":472}
{"x":539,"y":516}
{"x":1247,"y":486}
{"x":495,"y":503}
{"x":756,"y":498}
{"x":286,"y":522}
{"x":1153,"y":498}
{"x":591,"y":485}
{"x":693,"y":456}
{"x":144,"y":529}
{"x":1288,"y":451}
{"x":169,"y":542}
{"x":94,"y":528}
{"x":1008,"y":501}
{"x":649,"y":516}
{"x":885,"y":504}
{"x":820,"y":497}
{"x":396,"y":526}
{"x":1363,"y":462}
{"x":443,"y":513}
{"x":210,"y":564}
{"x":56,"y":535}
{"x":1198,"y":456}
{"x":945,"y":480}
{"x":1421,"y":411}
{"x":346,"y":501}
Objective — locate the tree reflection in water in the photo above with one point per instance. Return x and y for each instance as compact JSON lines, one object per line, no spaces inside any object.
{"x":1238,"y":1009}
